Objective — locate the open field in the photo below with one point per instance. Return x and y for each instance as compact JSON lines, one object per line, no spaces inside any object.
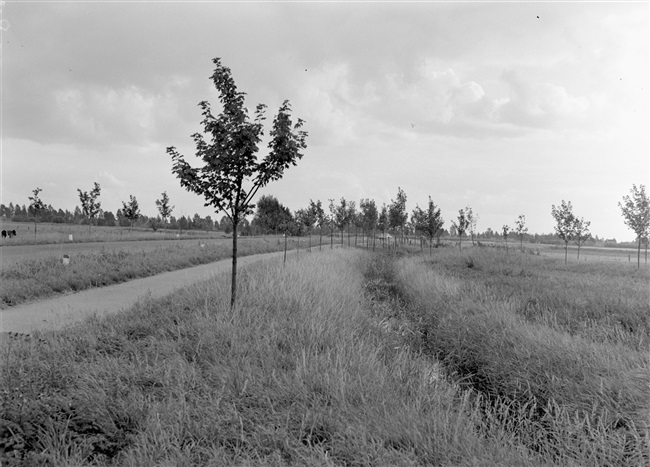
{"x":348,"y":357}
{"x":60,"y":233}
{"x":45,"y":276}
{"x":561,"y":351}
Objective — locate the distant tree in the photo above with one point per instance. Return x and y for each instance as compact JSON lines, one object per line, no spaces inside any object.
{"x":369,"y":216}
{"x":521,"y":229}
{"x":382,"y":221}
{"x":164,"y":208}
{"x":225,"y":224}
{"x":307,"y":218}
{"x":397,"y":215}
{"x":109,"y":218}
{"x":208,"y":223}
{"x":89,"y":204}
{"x":271,"y":216}
{"x":320,"y":218}
{"x":230,"y":155}
{"x":636,"y":212}
{"x":472,"y":220}
{"x":564,"y":224}
{"x":131,"y":210}
{"x":581,"y":232}
{"x":461,"y":226}
{"x":428,"y":223}
{"x":340,"y":215}
{"x":352,"y":215}
{"x":183,"y":223}
{"x":505,"y":230}
{"x":36,"y":207}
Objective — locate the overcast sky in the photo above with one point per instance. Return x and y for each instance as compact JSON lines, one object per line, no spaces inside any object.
{"x":504,"y":107}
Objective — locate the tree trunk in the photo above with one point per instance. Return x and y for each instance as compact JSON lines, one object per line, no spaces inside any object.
{"x":566,"y":251}
{"x":285,"y":249}
{"x":638,"y":255}
{"x":578,"y":250}
{"x":320,"y":240}
{"x":460,"y":242}
{"x":310,"y":240}
{"x":233,"y":285}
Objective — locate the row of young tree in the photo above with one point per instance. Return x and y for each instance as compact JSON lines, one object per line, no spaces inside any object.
{"x":90,"y":213}
{"x":231,"y":176}
{"x":271,"y":217}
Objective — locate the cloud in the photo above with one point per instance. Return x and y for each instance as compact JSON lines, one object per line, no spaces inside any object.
{"x":541,"y":105}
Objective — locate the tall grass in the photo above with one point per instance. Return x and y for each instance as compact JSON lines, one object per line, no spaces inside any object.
{"x":303,"y":371}
{"x":558,"y":352}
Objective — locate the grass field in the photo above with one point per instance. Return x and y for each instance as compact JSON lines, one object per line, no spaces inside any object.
{"x":561,"y":352}
{"x":32,"y":279}
{"x":60,"y":233}
{"x":348,"y":358}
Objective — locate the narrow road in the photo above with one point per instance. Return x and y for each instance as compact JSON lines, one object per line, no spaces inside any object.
{"x":58,"y":312}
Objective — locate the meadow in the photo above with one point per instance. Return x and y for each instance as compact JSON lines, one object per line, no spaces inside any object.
{"x":47,"y":233}
{"x":348,"y":357}
{"x":33,"y":279}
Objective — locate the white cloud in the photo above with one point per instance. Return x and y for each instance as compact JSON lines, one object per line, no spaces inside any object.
{"x":540,"y":104}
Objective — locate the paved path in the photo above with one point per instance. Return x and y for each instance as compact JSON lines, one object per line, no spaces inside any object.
{"x":58,"y":312}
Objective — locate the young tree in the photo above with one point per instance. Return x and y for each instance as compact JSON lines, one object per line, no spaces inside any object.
{"x":36,"y":206}
{"x":89,"y":204}
{"x":581,"y":232}
{"x":461,"y":227}
{"x":321,"y":218}
{"x":351,"y":216}
{"x":369,"y":216}
{"x":164,"y":208}
{"x":428,"y":223}
{"x":521,"y":229}
{"x":131,"y":210}
{"x":506,"y":230}
{"x":472,"y":220}
{"x":564,"y":224}
{"x":232,"y":175}
{"x":397,"y":215}
{"x":382,"y":221}
{"x":636,"y":212}
{"x":340,"y":215}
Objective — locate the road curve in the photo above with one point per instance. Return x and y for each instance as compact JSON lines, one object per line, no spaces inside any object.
{"x":58,"y":312}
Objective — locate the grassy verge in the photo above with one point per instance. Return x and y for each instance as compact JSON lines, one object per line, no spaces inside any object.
{"x":303,"y":371}
{"x":60,"y":233}
{"x":558,"y":353}
{"x":45,"y":277}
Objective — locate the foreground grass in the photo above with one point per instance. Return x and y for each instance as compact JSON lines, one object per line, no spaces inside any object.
{"x":45,"y":277}
{"x":303,"y":371}
{"x":560,"y":353}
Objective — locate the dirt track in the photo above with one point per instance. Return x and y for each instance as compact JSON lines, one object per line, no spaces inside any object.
{"x":58,"y":312}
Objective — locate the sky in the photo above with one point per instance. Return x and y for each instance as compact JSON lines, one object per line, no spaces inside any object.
{"x":508,"y":108}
